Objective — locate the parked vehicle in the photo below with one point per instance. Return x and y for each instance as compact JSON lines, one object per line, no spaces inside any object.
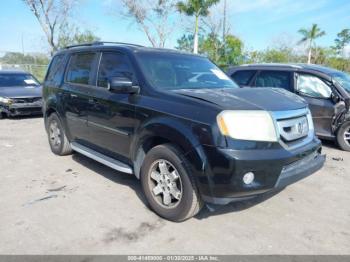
{"x":20,"y":94}
{"x":326,"y":90}
{"x":178,"y":123}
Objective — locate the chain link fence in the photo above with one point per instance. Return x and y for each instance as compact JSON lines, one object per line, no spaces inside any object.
{"x":38,"y":71}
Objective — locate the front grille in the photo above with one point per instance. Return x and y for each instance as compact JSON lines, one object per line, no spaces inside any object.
{"x":294,"y":127}
{"x":26,"y":100}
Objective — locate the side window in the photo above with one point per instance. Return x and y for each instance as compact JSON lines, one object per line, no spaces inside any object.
{"x":279,"y":79}
{"x":113,"y":65}
{"x":243,"y":77}
{"x":80,"y":68}
{"x":56,"y":70}
{"x":313,"y":86}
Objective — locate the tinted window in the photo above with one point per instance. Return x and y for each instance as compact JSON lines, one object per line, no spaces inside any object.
{"x":313,"y":86}
{"x":113,"y":65}
{"x":273,"y":79}
{"x":8,"y":80}
{"x":56,"y":70}
{"x":177,"y":71}
{"x":243,"y":77}
{"x":343,"y":79}
{"x":80,"y":68}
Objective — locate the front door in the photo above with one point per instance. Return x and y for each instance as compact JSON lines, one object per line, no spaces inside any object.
{"x":317,"y":93}
{"x":111,"y":116}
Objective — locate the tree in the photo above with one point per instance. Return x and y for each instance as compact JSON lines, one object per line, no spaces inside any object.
{"x":153,"y":18}
{"x":196,"y":8}
{"x":310,"y":35}
{"x":185,"y":43}
{"x":71,"y":35}
{"x":342,"y":40}
{"x":51,"y":15}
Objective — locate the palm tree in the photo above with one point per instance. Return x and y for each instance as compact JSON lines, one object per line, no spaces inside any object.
{"x":195,"y":8}
{"x":310,"y":36}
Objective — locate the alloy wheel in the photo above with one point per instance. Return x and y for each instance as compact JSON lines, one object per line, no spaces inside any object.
{"x":165,"y":183}
{"x":55,"y":134}
{"x":347,"y":136}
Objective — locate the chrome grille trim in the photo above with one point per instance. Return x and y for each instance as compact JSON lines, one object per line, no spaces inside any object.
{"x":282,"y":116}
{"x":293,"y":129}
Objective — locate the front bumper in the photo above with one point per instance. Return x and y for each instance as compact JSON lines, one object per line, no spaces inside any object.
{"x":274,"y":168}
{"x":22,"y":109}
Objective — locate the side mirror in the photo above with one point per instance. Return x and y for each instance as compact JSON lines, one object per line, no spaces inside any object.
{"x":347,"y":103}
{"x":122,"y":85}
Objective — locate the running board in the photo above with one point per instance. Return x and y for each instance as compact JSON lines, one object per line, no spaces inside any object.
{"x":103,"y":159}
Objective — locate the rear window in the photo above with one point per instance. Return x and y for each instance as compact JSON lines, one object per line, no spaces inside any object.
{"x":278,"y":79}
{"x":80,"y":68}
{"x":56,"y":69}
{"x":243,"y":77}
{"x":9,"y":80}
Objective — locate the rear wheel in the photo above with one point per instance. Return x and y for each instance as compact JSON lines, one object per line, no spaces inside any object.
{"x":168,"y":185}
{"x":343,"y":136}
{"x":57,"y":139}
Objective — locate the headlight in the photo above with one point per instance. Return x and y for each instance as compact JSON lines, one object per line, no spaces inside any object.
{"x":5,"y":100}
{"x":310,"y":122}
{"x":247,"y":125}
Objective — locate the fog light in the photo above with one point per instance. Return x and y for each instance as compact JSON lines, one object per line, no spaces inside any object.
{"x":248,"y":178}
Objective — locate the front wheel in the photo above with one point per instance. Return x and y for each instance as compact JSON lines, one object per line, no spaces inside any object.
{"x":343,"y":136}
{"x":168,"y":184}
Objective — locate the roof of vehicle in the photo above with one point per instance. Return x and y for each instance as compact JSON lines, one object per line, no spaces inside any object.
{"x":120,"y":46}
{"x":290,"y":66}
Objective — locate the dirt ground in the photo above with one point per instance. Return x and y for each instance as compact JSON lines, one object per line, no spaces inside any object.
{"x":74,"y":205}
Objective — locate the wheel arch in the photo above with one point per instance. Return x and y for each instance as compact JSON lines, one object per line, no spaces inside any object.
{"x":164,"y":131}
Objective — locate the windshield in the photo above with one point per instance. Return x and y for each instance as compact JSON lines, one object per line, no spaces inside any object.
{"x":177,"y":71}
{"x":343,"y":79}
{"x":9,"y":80}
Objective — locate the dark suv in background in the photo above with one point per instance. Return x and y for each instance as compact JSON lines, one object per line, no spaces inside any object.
{"x":177,"y":122}
{"x":326,"y":90}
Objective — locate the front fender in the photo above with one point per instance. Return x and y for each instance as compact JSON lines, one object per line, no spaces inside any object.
{"x":177,"y":132}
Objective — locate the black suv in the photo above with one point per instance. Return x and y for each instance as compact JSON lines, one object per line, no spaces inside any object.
{"x":325,"y":89}
{"x":177,"y":122}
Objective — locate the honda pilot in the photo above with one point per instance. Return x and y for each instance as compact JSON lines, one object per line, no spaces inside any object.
{"x":178,"y":123}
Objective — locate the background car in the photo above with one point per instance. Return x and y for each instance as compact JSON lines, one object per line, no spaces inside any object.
{"x":325,"y":89}
{"x":20,"y":94}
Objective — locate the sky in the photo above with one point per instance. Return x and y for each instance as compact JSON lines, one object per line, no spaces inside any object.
{"x":259,"y":23}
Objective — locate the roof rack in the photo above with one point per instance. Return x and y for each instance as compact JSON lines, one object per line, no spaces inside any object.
{"x":97,"y":43}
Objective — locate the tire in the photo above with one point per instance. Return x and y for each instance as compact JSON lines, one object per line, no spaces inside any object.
{"x":57,"y":138}
{"x":2,"y":115}
{"x":183,"y":206}
{"x":343,"y":136}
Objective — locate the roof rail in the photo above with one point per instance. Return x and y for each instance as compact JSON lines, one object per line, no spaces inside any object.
{"x":97,"y":43}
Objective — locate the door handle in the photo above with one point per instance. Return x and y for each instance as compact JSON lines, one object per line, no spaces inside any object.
{"x":73,"y":95}
{"x":93,"y":101}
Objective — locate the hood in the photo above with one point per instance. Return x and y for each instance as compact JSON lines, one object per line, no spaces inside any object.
{"x":268,"y":99}
{"x":21,"y":91}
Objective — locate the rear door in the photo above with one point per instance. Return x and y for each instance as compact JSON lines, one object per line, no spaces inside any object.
{"x":243,"y":77}
{"x":317,"y":92}
{"x":77,"y":88}
{"x":274,"y":78}
{"x":111,"y":116}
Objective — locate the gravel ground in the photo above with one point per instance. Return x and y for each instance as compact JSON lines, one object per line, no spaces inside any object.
{"x":73,"y":205}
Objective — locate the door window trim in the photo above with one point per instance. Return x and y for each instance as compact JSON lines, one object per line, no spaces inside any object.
{"x":93,"y":68}
{"x":100,"y":56}
{"x":257,"y":74}
{"x":297,"y":74}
